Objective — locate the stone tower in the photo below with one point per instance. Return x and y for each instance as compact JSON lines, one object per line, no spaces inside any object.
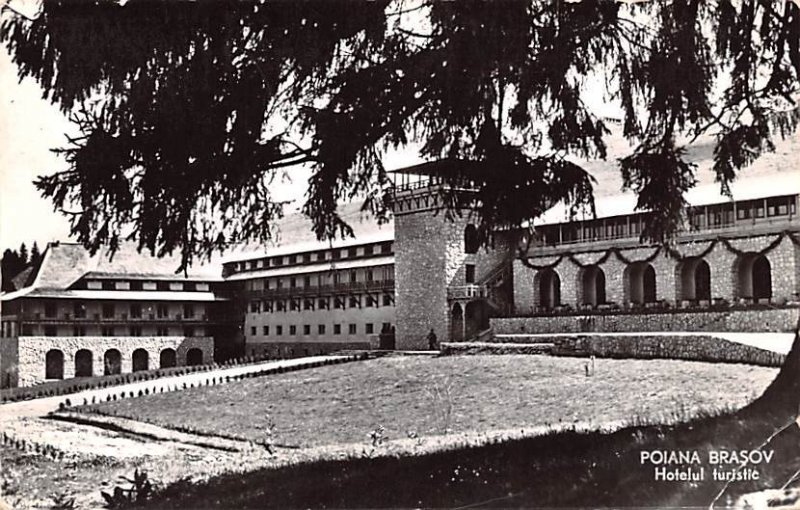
{"x":441,"y":274}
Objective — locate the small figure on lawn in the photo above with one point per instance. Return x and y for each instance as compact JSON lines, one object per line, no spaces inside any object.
{"x":432,"y":340}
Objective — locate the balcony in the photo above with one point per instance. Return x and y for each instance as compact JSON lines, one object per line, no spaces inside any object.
{"x":321,"y":290}
{"x":121,"y":319}
{"x":465,"y":292}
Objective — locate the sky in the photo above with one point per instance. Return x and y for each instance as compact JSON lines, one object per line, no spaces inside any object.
{"x":30,"y":127}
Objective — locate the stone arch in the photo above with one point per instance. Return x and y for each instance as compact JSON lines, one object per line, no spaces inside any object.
{"x":54,"y":364}
{"x":695,"y":280}
{"x":112,"y":362}
{"x":593,"y":285}
{"x":471,"y":241}
{"x":194,"y":356}
{"x":753,"y":277}
{"x":167,"y":358}
{"x":640,"y":283}
{"x":456,"y":323}
{"x":547,"y":285}
{"x":83,"y":363}
{"x":140,"y":360}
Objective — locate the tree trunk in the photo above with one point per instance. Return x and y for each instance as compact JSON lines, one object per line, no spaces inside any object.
{"x":781,"y":399}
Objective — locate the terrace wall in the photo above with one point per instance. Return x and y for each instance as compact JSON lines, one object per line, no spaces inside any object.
{"x":694,"y":347}
{"x":32,"y":350}
{"x":753,"y":319}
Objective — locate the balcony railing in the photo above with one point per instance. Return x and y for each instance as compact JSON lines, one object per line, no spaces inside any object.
{"x":97,"y":318}
{"x":339,"y":288}
{"x":465,"y":291}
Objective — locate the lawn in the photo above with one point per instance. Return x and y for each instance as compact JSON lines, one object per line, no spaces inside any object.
{"x":343,"y":403}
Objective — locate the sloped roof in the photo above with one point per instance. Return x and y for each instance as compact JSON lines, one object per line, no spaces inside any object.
{"x":64,"y":263}
{"x":294,"y":234}
{"x":24,"y":278}
{"x":774,"y":173}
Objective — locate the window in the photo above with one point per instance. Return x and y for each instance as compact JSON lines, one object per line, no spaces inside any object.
{"x":49,"y":309}
{"x":336,"y":254}
{"x":351,"y":252}
{"x":108,"y":285}
{"x":370,"y":328}
{"x":321,"y":329}
{"x":277,"y":261}
{"x":308,"y":304}
{"x":188,"y":331}
{"x":78,"y":331}
{"x":281,"y":306}
{"x":370,"y":276}
{"x":306,"y":281}
{"x":162,"y":285}
{"x":107,"y":331}
{"x":190,"y":286}
{"x":135,"y":331}
{"x":386,"y":247}
{"x":79,"y":309}
{"x":320,"y":256}
{"x":306,"y":329}
{"x":351,"y":329}
{"x":322,"y":303}
{"x":136,"y":285}
{"x":337,"y":329}
{"x":162,"y":331}
{"x":255,"y":306}
{"x":279,"y":284}
{"x":252,"y":331}
{"x":292,"y":329}
{"x":306,"y":258}
{"x":371,"y":301}
{"x":369,"y":249}
{"x":279,"y":330}
{"x":265,"y":330}
{"x":50,"y":331}
{"x":355,"y":302}
{"x":339,"y":302}
{"x":162,"y":311}
{"x":136,"y":311}
{"x":295,"y":305}
{"x":108,"y":310}
{"x":387,"y":300}
{"x":353,"y":276}
{"x":470,"y":276}
{"x":292,"y":259}
{"x":470,"y":239}
{"x":293,"y":282}
{"x":188,"y":310}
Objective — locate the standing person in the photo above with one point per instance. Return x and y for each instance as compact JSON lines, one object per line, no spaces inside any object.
{"x":432,"y":340}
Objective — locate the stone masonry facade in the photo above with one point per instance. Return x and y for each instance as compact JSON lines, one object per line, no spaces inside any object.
{"x":31,"y":352}
{"x":725,"y":280}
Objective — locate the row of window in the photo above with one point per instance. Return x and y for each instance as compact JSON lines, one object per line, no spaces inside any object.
{"x":323,"y":303}
{"x":352,"y":329}
{"x":109,"y":310}
{"x":325,"y":278}
{"x":143,"y":285}
{"x":384,"y":248}
{"x":699,"y":218}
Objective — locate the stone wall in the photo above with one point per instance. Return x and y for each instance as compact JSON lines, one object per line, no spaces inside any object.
{"x":784,"y":262}
{"x":420,"y":262}
{"x":693,"y":347}
{"x":33,"y":349}
{"x":755,"y":319}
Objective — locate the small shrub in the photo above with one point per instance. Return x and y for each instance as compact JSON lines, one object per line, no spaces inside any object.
{"x":140,"y":490}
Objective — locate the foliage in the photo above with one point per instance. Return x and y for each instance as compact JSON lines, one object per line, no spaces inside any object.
{"x":14,"y":262}
{"x":190,"y":111}
{"x":140,"y":489}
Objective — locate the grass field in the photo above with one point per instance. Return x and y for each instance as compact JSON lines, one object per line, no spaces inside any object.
{"x":342,"y":404}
